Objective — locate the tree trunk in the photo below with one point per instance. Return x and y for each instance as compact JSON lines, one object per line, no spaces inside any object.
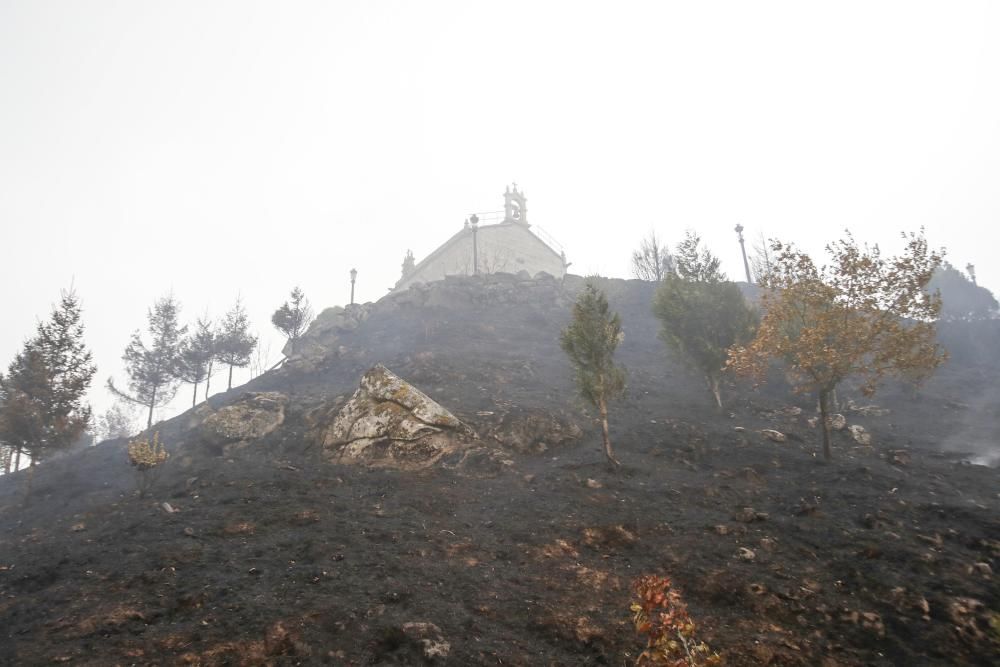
{"x":208,"y":378}
{"x":194,"y":399}
{"x":31,"y":478}
{"x":8,"y":455}
{"x":824,"y":398}
{"x":17,"y":459}
{"x":713,"y":385}
{"x":152,"y":402}
{"x":230,"y":378}
{"x":608,"y":452}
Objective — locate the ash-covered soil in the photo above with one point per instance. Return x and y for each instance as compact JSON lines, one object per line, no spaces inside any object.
{"x":888,"y":556}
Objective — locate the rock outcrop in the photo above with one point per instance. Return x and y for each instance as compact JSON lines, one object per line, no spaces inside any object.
{"x":321,"y":339}
{"x":251,"y":417}
{"x":529,"y":430}
{"x":482,"y":290}
{"x":860,"y":435}
{"x":390,"y":423}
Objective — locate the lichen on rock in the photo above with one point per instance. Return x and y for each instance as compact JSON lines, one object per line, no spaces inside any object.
{"x":389,"y":422}
{"x":252,"y":416}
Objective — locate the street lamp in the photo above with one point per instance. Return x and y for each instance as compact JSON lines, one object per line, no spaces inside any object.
{"x":354,"y":276}
{"x":743,"y":249}
{"x":474,"y":221}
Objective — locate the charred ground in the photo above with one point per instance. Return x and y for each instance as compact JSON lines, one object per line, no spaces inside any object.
{"x":885,"y":556}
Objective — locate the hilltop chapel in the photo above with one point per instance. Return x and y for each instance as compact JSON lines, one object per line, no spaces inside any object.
{"x":508,"y":246}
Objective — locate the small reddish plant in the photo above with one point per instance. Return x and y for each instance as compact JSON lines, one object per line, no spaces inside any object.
{"x":660,"y":615}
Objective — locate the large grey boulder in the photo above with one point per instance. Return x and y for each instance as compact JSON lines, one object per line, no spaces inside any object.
{"x":251,"y":417}
{"x":390,"y":423}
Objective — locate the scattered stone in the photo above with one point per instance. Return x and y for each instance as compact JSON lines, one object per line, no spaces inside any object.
{"x":429,"y":637}
{"x":837,"y":422}
{"x":77,"y":527}
{"x":594,"y":484}
{"x":746,"y":555}
{"x":899,"y":457}
{"x":860,"y":435}
{"x":873,"y":622}
{"x":982,"y":569}
{"x":168,"y":508}
{"x":721,"y":529}
{"x":189,"y":531}
{"x":812,"y":421}
{"x":739,"y":429}
{"x":935,"y":539}
{"x":811,"y":587}
{"x":969,"y":617}
{"x":776,"y":436}
{"x":749,"y":515}
{"x":768,"y":544}
{"x":867,"y":410}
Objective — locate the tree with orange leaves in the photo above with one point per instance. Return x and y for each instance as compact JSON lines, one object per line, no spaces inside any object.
{"x":861,"y":315}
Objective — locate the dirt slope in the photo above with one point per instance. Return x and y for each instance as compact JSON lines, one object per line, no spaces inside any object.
{"x":886,"y":556}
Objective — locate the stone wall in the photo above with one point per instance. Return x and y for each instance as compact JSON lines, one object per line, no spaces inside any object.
{"x":502,"y":248}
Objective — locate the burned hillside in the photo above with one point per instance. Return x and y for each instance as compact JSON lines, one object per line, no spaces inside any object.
{"x":501,"y":537}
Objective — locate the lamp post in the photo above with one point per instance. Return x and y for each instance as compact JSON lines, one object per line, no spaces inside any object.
{"x":354,"y":276}
{"x":743,"y":249}
{"x":972,"y":272}
{"x":474,"y":222}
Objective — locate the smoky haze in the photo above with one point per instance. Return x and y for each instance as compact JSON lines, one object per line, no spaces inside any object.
{"x":217,"y":150}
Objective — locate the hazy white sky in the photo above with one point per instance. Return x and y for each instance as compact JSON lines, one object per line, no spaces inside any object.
{"x":224,"y":148}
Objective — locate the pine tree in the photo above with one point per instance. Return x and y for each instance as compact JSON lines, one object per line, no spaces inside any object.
{"x":695,"y":263}
{"x":701,"y":314}
{"x":590,"y":341}
{"x":153,"y":370}
{"x":292,"y":319}
{"x":42,"y":395}
{"x":197,"y":352}
{"x":26,"y":391}
{"x":235,"y":342}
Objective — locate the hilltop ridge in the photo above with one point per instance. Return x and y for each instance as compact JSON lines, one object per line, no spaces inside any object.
{"x":254,"y":548}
